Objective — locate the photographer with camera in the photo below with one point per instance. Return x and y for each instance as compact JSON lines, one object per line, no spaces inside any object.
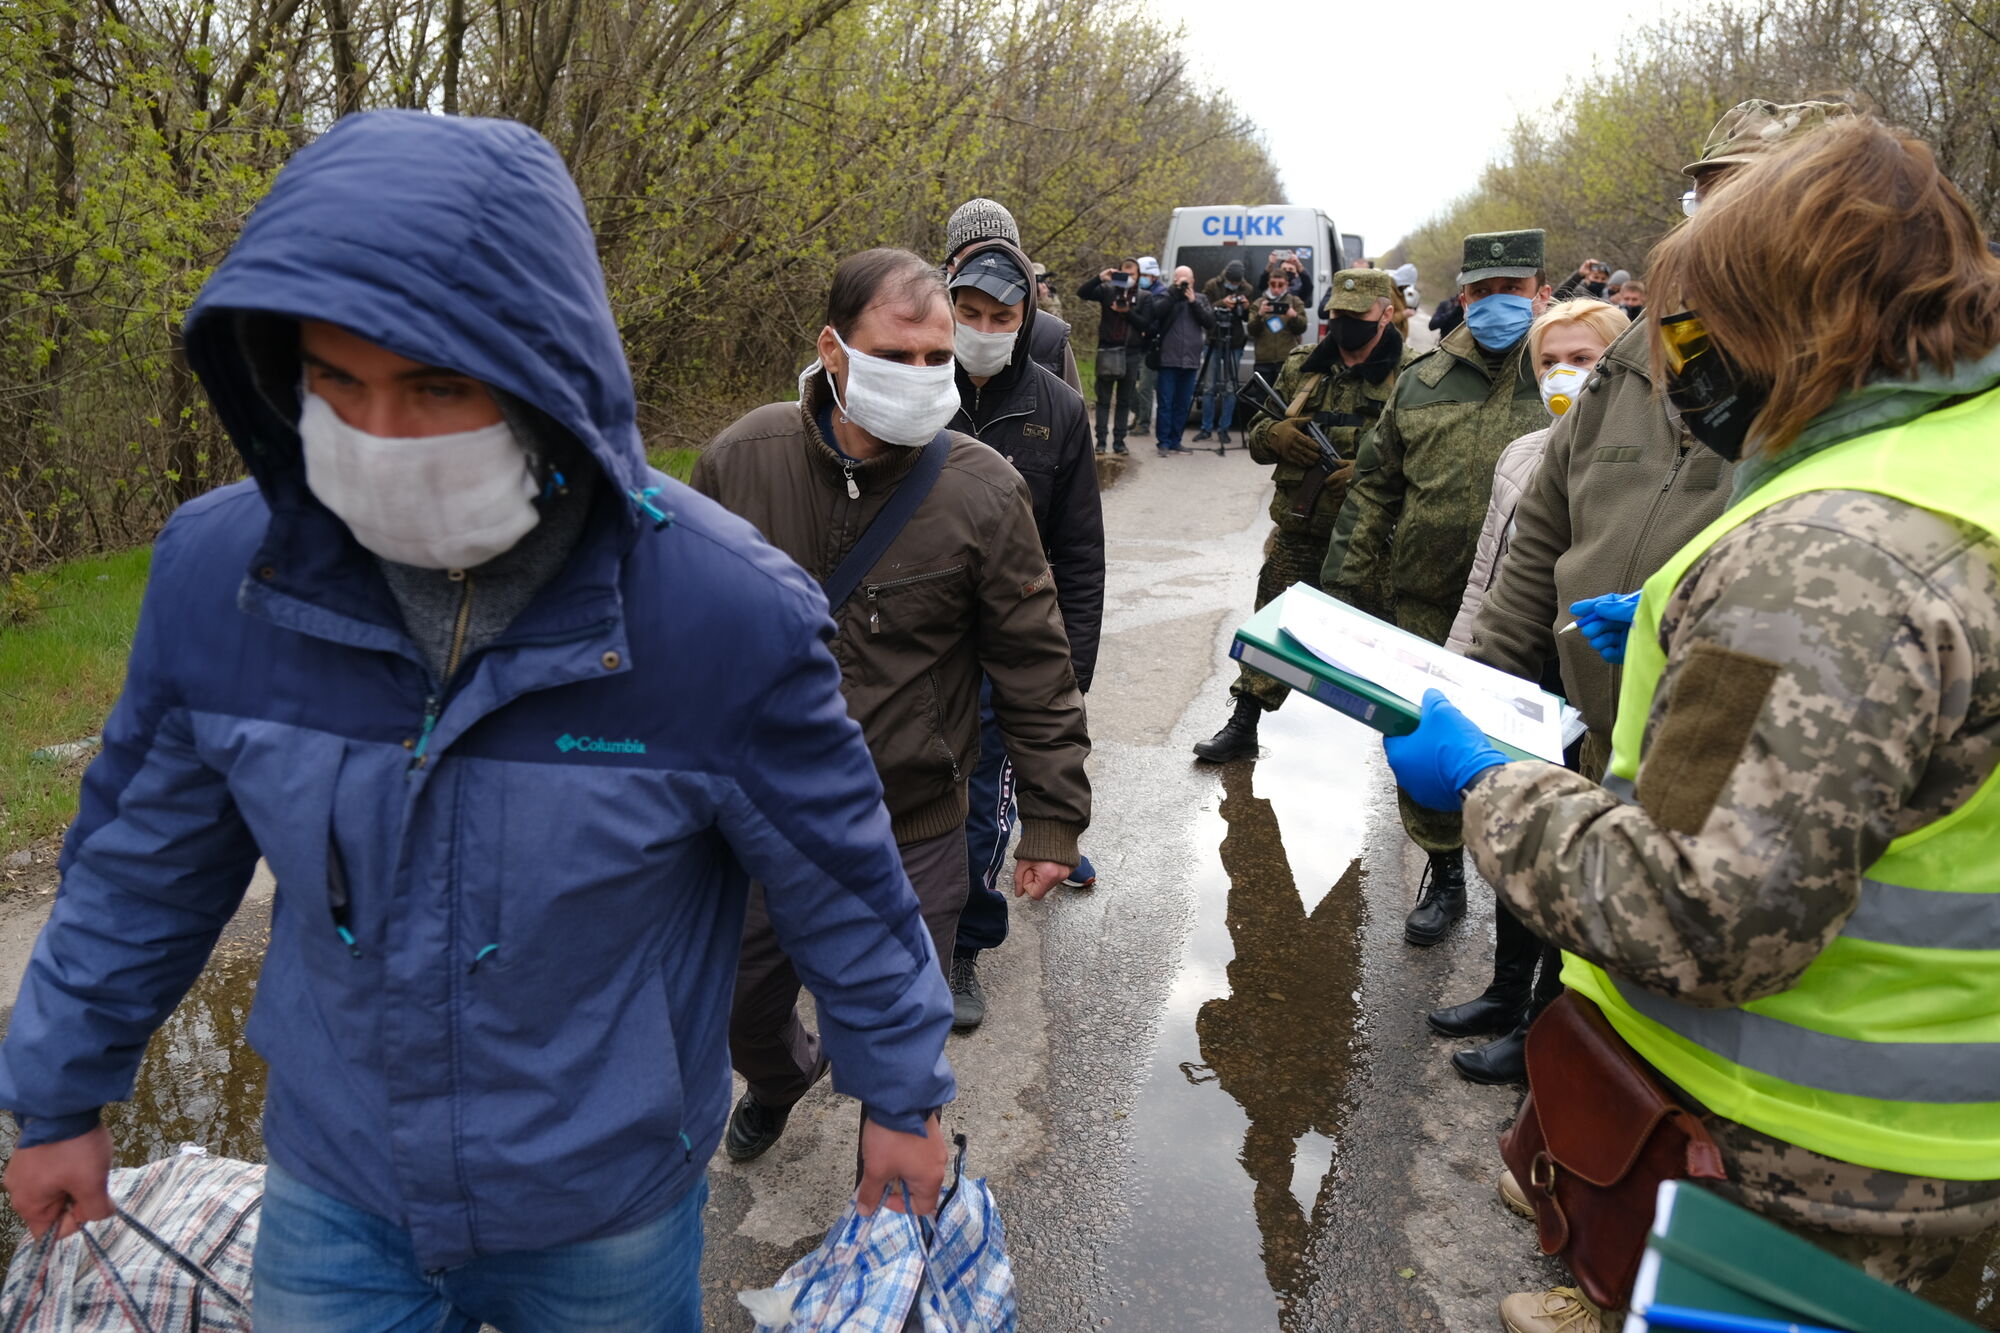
{"x":1277,"y":319}
{"x":1178,"y":319}
{"x":1116,"y":291}
{"x":1294,"y":269}
{"x":1340,"y":385}
{"x":1229,"y":297}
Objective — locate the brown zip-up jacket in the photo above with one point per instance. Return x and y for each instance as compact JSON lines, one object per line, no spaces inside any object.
{"x":965,"y":587}
{"x":1621,"y":489}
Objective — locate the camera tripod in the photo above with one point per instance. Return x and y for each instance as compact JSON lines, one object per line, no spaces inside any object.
{"x":1212,"y":353}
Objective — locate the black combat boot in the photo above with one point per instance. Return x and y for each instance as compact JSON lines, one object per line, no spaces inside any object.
{"x":1238,"y":737}
{"x":1441,"y":899}
{"x":1506,"y":1060}
{"x":1502,"y":1061}
{"x":1505,"y":1000}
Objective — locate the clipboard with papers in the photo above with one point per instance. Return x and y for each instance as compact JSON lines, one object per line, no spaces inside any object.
{"x":1377,"y":674}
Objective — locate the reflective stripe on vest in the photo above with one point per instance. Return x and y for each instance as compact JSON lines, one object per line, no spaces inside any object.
{"x":1886,"y":1050}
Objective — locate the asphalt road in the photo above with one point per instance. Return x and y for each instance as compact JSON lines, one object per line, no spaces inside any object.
{"x":1204,"y":1095}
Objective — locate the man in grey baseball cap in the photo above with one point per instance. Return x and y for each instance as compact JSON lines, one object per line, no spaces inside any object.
{"x":984,"y":219}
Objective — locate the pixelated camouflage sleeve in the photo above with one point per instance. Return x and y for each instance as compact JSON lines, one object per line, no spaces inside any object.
{"x":1376,"y":495}
{"x":1831,"y":684}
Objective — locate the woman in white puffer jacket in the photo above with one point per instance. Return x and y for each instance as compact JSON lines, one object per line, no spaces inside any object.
{"x":1563,"y":346}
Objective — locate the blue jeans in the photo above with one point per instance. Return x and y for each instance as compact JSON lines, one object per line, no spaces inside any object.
{"x":1176,"y":395}
{"x":1218,"y":396}
{"x":322,"y":1266}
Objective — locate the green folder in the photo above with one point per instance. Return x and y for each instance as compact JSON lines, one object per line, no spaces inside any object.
{"x":1261,"y":644}
{"x":1707,"y":1254}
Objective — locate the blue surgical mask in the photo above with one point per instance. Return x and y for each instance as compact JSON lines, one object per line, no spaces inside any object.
{"x":1501,"y":320}
{"x":1147,"y":281}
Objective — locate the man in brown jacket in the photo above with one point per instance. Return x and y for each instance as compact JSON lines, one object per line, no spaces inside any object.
{"x":963,"y":588}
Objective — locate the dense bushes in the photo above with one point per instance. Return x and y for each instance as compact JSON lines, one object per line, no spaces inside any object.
{"x":729,"y":150}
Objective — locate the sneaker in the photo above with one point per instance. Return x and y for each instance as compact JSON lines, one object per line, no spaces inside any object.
{"x":754,"y":1127}
{"x":1222,"y":437}
{"x":1161,"y":451}
{"x":1102,"y":450}
{"x":1119,"y":449}
{"x":1201,"y":435}
{"x":968,"y":997}
{"x":1084,"y":876}
{"x":1558,"y":1310}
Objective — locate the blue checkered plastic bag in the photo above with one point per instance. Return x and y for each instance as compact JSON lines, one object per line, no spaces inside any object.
{"x":893,"y":1271}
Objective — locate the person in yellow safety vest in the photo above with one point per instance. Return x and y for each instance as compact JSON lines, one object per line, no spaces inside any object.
{"x":1786,"y":896}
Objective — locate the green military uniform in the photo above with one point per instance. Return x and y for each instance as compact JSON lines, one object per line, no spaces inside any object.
{"x":1418,"y":511}
{"x":1315,"y":381}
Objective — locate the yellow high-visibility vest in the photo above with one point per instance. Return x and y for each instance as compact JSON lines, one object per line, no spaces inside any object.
{"x":1886,"y":1050}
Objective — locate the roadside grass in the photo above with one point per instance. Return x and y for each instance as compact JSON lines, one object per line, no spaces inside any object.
{"x":60,"y":672}
{"x":1086,"y":371}
{"x":676,"y":463}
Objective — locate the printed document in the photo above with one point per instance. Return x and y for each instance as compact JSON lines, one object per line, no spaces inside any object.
{"x":1505,"y":707}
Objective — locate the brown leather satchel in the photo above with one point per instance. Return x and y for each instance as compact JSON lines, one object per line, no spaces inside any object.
{"x":1595,"y":1138}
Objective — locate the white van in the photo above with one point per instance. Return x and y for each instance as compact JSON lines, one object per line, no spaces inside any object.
{"x":1205,"y":238}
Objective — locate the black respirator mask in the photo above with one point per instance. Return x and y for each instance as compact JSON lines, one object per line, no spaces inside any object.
{"x":1351,"y":334}
{"x":1716,"y":403}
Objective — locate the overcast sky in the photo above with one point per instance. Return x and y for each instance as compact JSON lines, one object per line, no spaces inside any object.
{"x":1395,"y":140}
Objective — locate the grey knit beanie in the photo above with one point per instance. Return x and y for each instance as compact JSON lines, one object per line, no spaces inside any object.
{"x":979,"y":220}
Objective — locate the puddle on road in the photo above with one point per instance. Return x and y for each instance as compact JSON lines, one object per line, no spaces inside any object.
{"x":1239,"y":1125}
{"x":200,"y":1082}
{"x":1238,"y":1129}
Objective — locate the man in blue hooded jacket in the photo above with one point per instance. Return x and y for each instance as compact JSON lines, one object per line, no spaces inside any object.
{"x":513,"y":719}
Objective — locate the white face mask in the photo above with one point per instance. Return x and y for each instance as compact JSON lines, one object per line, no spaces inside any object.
{"x":1560,"y":385}
{"x":897,"y":404}
{"x":983,"y":353}
{"x":436,"y":502}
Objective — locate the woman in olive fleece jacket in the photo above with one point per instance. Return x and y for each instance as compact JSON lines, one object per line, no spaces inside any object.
{"x":1621,"y":489}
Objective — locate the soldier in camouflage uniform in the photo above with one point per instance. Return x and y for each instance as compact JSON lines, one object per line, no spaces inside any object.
{"x":1419,"y":510}
{"x":1809,"y":727}
{"x":1340,"y":384}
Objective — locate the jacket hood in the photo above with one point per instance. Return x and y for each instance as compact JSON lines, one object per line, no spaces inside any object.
{"x":456,"y":242}
{"x":1011,"y":373}
{"x":1876,"y":405}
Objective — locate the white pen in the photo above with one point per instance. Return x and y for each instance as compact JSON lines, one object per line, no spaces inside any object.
{"x":1567,"y":628}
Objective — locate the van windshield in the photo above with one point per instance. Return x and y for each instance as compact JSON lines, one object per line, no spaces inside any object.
{"x":1207,"y":261}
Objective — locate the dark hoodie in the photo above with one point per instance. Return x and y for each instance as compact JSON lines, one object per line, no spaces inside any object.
{"x":1041,"y":426}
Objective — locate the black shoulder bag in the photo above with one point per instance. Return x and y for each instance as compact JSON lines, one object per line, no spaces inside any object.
{"x":895,"y":516}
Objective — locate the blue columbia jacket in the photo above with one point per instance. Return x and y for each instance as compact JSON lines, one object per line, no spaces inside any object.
{"x":544,"y":864}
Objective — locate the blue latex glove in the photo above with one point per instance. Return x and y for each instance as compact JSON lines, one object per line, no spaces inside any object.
{"x":1438,"y":761}
{"x":1605,"y":621}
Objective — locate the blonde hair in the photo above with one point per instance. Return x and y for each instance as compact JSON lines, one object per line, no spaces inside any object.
{"x":1601,"y":318}
{"x":1831,"y":261}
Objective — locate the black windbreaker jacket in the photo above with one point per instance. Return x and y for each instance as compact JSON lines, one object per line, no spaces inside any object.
{"x":1041,"y":425}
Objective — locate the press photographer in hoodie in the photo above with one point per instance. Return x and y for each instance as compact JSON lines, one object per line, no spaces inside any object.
{"x":1041,"y":426}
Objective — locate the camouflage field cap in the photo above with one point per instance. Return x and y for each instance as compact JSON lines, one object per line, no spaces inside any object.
{"x":1502,"y":254}
{"x":1751,"y":127}
{"x":1356,"y":290}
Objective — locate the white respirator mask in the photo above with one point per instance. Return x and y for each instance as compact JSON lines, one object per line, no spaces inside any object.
{"x":1560,"y":385}
{"x":436,"y":502}
{"x":896,"y":404}
{"x":983,"y":353}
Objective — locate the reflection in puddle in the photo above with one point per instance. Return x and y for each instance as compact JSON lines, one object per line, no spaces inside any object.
{"x":200,"y":1082}
{"x":1279,"y":1041}
{"x":1237,"y":1131}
